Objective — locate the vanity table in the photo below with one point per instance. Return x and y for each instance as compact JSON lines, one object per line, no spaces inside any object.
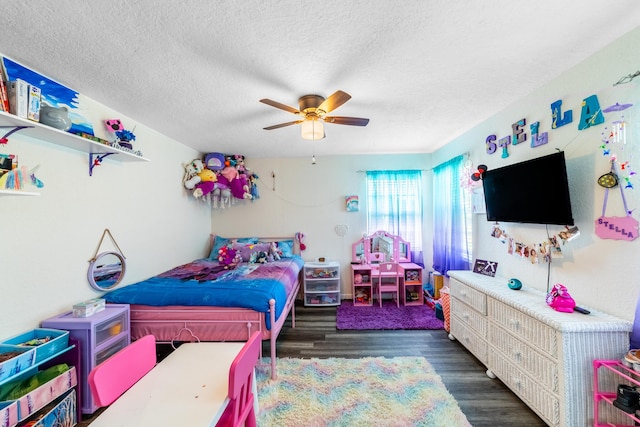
{"x":382,"y":246}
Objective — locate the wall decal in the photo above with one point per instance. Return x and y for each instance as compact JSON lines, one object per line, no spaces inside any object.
{"x":519,"y":135}
{"x":538,"y":139}
{"x":557,"y":118}
{"x":591,"y":114}
{"x":490,"y":144}
{"x":504,"y":143}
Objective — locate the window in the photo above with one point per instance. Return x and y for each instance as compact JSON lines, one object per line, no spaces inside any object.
{"x":394,"y":204}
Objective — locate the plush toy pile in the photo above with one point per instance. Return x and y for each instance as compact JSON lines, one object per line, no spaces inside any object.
{"x":222,"y":178}
{"x":229,"y":257}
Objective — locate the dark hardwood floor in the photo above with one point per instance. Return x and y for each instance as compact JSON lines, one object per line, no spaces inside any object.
{"x":486,"y":402}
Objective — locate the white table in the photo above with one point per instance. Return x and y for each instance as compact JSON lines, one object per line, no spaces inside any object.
{"x":188,"y":388}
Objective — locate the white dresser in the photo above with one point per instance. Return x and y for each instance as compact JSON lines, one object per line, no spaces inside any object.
{"x":544,"y":356}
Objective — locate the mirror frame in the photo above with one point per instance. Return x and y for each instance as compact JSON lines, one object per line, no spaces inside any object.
{"x":93,"y":268}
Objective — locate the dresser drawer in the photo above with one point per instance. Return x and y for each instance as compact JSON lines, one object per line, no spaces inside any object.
{"x":546,"y":404}
{"x":471,"y":318}
{"x":528,"y":359}
{"x":472,"y":341}
{"x":103,"y":355}
{"x":475,"y":299}
{"x":524,"y":327}
{"x":111,"y":327}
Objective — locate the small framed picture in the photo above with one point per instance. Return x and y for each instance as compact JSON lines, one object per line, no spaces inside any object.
{"x":351,"y":203}
{"x":488,"y":268}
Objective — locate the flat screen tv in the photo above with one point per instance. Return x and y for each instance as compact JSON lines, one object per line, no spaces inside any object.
{"x":534,"y":191}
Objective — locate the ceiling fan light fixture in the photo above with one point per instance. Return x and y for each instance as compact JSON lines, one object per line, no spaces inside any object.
{"x":312,"y":130}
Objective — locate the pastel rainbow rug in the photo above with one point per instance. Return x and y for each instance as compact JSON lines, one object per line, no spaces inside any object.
{"x":373,"y":391}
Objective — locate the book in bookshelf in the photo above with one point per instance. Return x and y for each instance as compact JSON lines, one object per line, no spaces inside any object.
{"x":33,"y":110}
{"x":18,"y":97}
{"x":4,"y":96}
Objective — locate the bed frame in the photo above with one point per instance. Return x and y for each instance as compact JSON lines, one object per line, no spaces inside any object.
{"x":170,"y":324}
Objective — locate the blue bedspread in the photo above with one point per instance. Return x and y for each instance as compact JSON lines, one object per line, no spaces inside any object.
{"x":206,"y":283}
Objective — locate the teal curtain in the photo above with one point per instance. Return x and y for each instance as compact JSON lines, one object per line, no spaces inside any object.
{"x":394,"y":204}
{"x":451,"y":247}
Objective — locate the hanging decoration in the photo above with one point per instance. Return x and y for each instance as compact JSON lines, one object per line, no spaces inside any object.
{"x":615,"y":227}
{"x":299,"y":238}
{"x":614,"y":141}
{"x":479,"y":174}
{"x":540,"y":252}
{"x":470,"y":177}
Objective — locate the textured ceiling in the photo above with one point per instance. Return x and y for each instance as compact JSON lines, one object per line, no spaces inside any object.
{"x":422,"y":71}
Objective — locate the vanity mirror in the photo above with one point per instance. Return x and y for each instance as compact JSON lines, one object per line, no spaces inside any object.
{"x":106,"y":269}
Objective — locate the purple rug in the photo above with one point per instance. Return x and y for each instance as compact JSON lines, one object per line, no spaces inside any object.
{"x":387,"y":317}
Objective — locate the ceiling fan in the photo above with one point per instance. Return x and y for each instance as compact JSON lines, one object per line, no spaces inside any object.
{"x":313,"y":112}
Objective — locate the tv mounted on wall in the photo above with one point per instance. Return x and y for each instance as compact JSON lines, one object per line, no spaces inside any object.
{"x":534,"y":191}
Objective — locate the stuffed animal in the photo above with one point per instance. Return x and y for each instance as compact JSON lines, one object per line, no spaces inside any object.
{"x":361,"y":296}
{"x":259,"y":257}
{"x":228,"y":257}
{"x":198,"y":178}
{"x":236,"y":182}
{"x":191,"y":175}
{"x":273,"y":251}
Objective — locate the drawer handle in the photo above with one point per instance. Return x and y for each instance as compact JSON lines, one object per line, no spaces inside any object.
{"x":515,"y":324}
{"x":466,"y":316}
{"x":517,"y":356}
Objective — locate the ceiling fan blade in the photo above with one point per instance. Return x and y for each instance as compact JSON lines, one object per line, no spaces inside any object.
{"x":281,"y":125}
{"x":351,"y":121}
{"x":280,"y":106}
{"x":334,"y":101}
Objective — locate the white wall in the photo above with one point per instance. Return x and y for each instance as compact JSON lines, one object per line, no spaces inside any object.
{"x":602,"y":274}
{"x":47,"y":240}
{"x":311,"y":199}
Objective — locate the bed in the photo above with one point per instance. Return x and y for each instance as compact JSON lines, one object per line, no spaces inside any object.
{"x":216,"y":300}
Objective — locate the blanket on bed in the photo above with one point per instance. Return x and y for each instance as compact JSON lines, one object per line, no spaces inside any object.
{"x":206,"y":283}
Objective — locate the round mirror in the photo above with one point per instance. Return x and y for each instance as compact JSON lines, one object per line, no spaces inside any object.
{"x":106,"y":270}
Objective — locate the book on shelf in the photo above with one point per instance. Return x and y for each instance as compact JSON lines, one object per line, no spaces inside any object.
{"x":4,"y":93}
{"x":33,"y":110}
{"x":19,"y":97}
{"x":4,"y":96}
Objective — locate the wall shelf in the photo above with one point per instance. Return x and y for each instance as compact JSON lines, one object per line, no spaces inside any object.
{"x":17,"y":193}
{"x":66,"y":139}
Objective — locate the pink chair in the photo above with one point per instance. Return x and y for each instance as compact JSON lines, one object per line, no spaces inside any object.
{"x":388,"y":275}
{"x":110,"y":379}
{"x":241,"y":408}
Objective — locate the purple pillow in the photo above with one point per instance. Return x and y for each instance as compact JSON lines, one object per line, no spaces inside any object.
{"x":247,"y":249}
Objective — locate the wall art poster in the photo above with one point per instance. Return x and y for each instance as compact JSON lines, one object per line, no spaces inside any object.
{"x":488,"y":268}
{"x":53,"y":94}
{"x":352,"y":203}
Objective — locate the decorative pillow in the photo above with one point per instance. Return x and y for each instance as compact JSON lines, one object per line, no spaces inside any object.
{"x":246,"y":250}
{"x":219,"y":242}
